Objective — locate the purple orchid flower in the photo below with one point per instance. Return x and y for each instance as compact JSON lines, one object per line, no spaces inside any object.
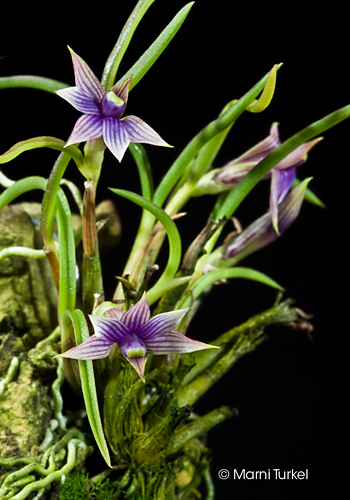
{"x":282,"y":175}
{"x":103,"y":112}
{"x":261,"y":232}
{"x":136,"y":334}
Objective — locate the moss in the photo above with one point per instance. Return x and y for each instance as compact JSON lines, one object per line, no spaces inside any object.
{"x":28,"y":295}
{"x":25,"y":411}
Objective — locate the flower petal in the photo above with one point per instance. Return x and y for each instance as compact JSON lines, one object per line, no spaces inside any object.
{"x":162,"y":323}
{"x":122,"y":89}
{"x":93,"y":348}
{"x":115,"y":137}
{"x":85,"y":79}
{"x":174,"y":342}
{"x":281,"y":181}
{"x":80,"y":101}
{"x":139,"y":131}
{"x":261,"y":232}
{"x":111,"y":329}
{"x":139,"y":364}
{"x":137,"y":315}
{"x":88,"y":127}
{"x":298,"y":156}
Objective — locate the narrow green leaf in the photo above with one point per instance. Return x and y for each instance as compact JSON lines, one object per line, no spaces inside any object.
{"x":174,"y":242}
{"x":310,"y":196}
{"x":115,"y":57}
{"x":43,"y":142}
{"x":211,"y":277}
{"x":148,"y":58}
{"x":144,"y":168}
{"x":20,"y":187}
{"x":88,"y":385}
{"x":32,"y":82}
{"x":67,"y":263}
{"x":205,"y":135}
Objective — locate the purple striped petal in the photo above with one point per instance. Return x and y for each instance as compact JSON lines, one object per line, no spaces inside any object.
{"x":281,"y":181}
{"x":85,"y":79}
{"x":174,"y":342}
{"x":139,"y":131}
{"x":122,"y":89}
{"x":298,"y":156}
{"x":261,"y":232}
{"x":88,"y":127}
{"x":139,"y":364}
{"x":160,"y":324}
{"x":137,"y":316}
{"x":82,"y":102}
{"x":93,"y":348}
{"x":111,"y":329}
{"x":115,"y":137}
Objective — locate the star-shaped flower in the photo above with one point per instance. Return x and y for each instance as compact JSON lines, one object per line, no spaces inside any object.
{"x":136,"y":334}
{"x":103,"y":112}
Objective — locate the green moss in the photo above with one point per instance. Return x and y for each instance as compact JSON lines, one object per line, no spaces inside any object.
{"x":80,"y":487}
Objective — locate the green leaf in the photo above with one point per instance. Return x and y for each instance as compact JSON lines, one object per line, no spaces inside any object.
{"x":204,"y":136}
{"x":32,"y":82}
{"x":309,"y":196}
{"x":115,"y":57}
{"x":20,"y":187}
{"x":211,"y":277}
{"x":148,"y":58}
{"x":43,"y":142}
{"x":174,"y":242}
{"x":81,"y":331}
{"x":67,"y":263}
{"x":144,"y":168}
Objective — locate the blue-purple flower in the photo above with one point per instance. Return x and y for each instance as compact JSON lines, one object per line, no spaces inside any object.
{"x":136,"y":334}
{"x":261,"y":232}
{"x":282,"y":175}
{"x":103,"y":112}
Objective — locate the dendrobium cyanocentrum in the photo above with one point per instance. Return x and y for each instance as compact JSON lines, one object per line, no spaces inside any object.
{"x":103,"y":112}
{"x":136,"y":334}
{"x":282,"y":175}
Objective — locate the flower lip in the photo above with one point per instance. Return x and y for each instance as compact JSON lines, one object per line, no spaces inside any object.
{"x":112,"y":105}
{"x":132,"y":346}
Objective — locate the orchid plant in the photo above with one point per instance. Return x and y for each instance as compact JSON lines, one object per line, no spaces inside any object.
{"x":128,"y":356}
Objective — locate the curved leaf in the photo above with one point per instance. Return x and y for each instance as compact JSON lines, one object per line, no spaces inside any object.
{"x":81,"y":332}
{"x":174,"y":242}
{"x":32,"y":82}
{"x":43,"y":142}
{"x":211,"y":277}
{"x":205,"y":135}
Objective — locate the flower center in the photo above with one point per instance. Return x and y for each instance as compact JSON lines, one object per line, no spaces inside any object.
{"x":112,"y":105}
{"x":131,"y":346}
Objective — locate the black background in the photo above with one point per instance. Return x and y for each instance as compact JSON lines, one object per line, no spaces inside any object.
{"x":291,"y":391}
